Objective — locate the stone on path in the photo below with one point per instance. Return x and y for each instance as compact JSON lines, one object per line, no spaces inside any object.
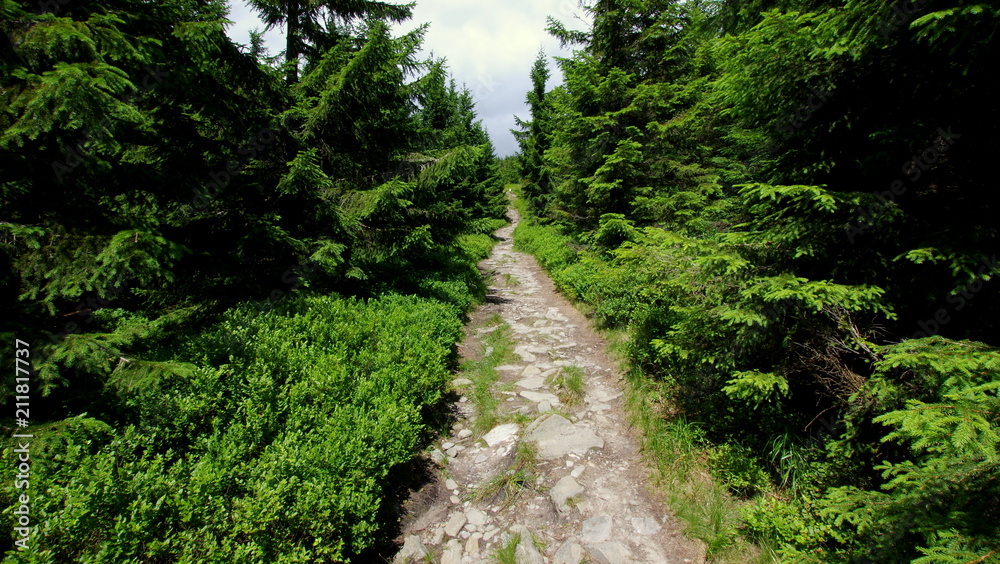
{"x":525,"y":355}
{"x":609,"y":553}
{"x":462,"y":382}
{"x":596,"y":529}
{"x":455,"y":524}
{"x":472,"y":546}
{"x":554,"y":315}
{"x":413,"y":551}
{"x":531,"y":371}
{"x":557,"y":436}
{"x":526,"y":552}
{"x":452,"y":552}
{"x":646,"y":527}
{"x":565,"y":489}
{"x":476,"y":517}
{"x":569,"y":553}
{"x":539,"y":397}
{"x":532,"y":383}
{"x":501,"y":434}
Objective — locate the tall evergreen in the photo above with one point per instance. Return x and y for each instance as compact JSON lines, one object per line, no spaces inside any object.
{"x":533,"y":137}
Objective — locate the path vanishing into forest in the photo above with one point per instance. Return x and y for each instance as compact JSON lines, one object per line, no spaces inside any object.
{"x":557,"y":475}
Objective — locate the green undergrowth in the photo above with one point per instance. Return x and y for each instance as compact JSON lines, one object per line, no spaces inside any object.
{"x":278,"y":442}
{"x":279,"y":433}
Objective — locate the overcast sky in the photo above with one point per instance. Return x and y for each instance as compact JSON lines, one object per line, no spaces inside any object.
{"x":490,"y":46}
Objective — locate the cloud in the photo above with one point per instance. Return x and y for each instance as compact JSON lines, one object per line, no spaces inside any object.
{"x":490,"y":46}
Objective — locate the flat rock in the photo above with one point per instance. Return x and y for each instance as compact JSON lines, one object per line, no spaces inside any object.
{"x":437,"y":456}
{"x":526,"y":552}
{"x":464,"y":433}
{"x":532,"y":383}
{"x":601,"y":396}
{"x":476,"y":517}
{"x":596,"y":529}
{"x":609,"y":553}
{"x":501,"y":434}
{"x":413,"y":551}
{"x":557,"y":436}
{"x":530,"y":371}
{"x":564,"y":489}
{"x":461,"y":382}
{"x":451,"y":484}
{"x":646,"y":526}
{"x":554,"y":314}
{"x":455,"y":524}
{"x":452,"y":552}
{"x":538,"y":397}
{"x":508,"y":368}
{"x":525,"y":355}
{"x":544,"y":407}
{"x":569,"y":553}
{"x":472,"y":547}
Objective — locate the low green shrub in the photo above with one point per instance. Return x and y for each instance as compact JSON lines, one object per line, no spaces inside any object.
{"x":280,"y":453}
{"x":739,"y":469}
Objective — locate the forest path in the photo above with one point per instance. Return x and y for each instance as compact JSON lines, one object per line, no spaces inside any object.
{"x":556,"y":476}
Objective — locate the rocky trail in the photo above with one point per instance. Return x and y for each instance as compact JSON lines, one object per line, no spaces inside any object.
{"x":557,"y":476}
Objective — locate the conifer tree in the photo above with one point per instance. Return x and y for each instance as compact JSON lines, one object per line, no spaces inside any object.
{"x":309,"y":22}
{"x":534,"y":137}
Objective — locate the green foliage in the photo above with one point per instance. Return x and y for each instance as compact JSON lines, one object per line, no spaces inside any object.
{"x":167,"y":201}
{"x":736,"y":466}
{"x":756,"y":386}
{"x":278,"y":447}
{"x":730,"y":187}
